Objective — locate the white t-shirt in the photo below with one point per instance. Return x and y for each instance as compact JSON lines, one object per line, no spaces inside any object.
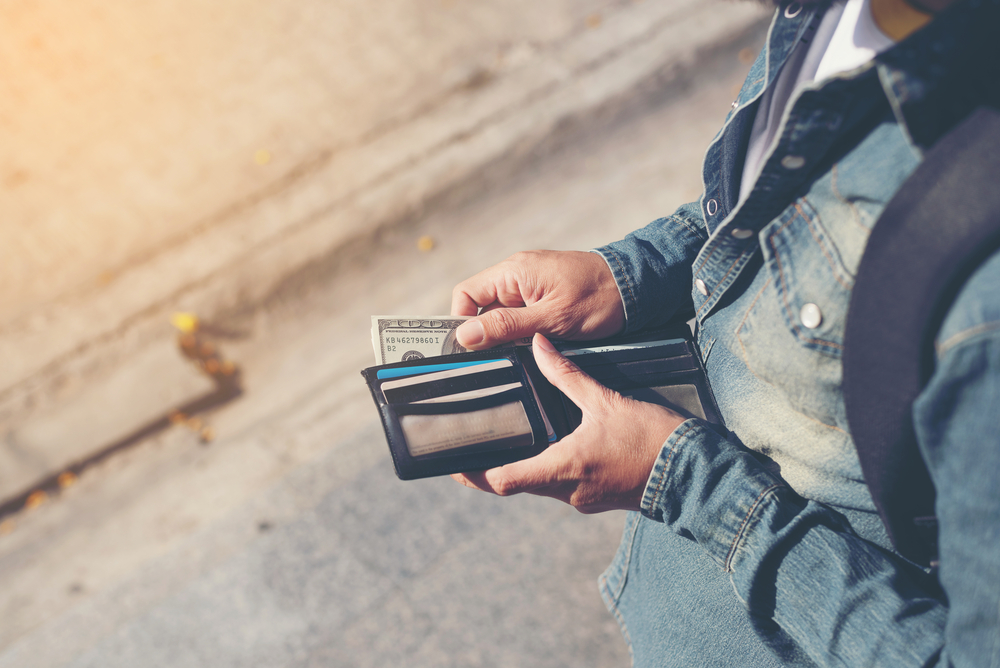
{"x":845,"y":38}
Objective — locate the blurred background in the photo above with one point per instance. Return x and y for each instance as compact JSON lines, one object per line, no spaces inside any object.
{"x":201,"y":204}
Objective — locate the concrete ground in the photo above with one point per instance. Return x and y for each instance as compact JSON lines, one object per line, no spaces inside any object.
{"x":273,"y":170}
{"x":128,"y":125}
{"x":288,"y":541}
{"x":166,"y":157}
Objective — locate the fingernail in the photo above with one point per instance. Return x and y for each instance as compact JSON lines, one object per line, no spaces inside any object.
{"x":544,"y":343}
{"x":470,"y":334}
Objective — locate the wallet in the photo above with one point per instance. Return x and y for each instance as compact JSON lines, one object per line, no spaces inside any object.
{"x":477,"y":410}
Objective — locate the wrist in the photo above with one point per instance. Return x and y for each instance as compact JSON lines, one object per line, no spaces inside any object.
{"x":616,"y":290}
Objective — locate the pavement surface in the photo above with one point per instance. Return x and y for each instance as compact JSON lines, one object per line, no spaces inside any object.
{"x":206,"y":163}
{"x":287,"y":541}
{"x":128,"y":125}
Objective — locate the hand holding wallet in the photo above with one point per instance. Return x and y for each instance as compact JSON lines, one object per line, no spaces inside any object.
{"x":478,"y":410}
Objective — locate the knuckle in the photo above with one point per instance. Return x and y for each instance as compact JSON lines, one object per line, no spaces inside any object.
{"x":503,"y":485}
{"x":523,"y":256}
{"x":519,"y":257}
{"x":502,"y":323}
{"x":584,"y":504}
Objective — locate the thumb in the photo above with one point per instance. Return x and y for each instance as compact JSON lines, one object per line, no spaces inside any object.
{"x":500,"y":325}
{"x":566,"y":376}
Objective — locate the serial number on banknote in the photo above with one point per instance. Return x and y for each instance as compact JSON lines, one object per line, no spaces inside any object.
{"x":412,"y":339}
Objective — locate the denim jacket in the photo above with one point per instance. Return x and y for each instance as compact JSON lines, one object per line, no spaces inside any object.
{"x":777,"y":501}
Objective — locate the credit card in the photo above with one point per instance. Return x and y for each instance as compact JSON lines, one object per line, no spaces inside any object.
{"x":433,"y":372}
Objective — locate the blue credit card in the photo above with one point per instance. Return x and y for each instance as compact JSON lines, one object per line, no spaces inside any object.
{"x":402,"y":372}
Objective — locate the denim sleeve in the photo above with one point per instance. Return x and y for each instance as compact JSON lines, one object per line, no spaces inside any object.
{"x":806,"y":578}
{"x":652,"y":267}
{"x":804,"y":575}
{"x":956,"y":420}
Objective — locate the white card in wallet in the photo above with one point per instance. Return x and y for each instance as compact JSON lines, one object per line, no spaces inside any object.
{"x":426,"y":434}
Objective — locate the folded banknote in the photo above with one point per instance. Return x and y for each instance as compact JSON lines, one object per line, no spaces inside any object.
{"x":397,"y":338}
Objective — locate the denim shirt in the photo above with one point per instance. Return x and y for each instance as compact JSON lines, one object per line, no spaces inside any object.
{"x":777,"y":501}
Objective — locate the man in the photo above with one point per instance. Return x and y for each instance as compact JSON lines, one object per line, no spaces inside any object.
{"x":760,"y":545}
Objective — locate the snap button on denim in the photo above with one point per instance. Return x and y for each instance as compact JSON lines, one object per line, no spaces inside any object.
{"x":793,"y":10}
{"x":793,"y":161}
{"x":811,"y":316}
{"x":712,"y":206}
{"x":736,"y":103}
{"x":702,"y":288}
{"x":741,"y":233}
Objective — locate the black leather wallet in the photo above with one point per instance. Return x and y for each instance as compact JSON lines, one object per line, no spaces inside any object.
{"x":476,"y":410}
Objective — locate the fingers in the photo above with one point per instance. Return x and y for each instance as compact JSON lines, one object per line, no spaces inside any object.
{"x":569,"y":294}
{"x":527,"y":475}
{"x":492,"y":290}
{"x":580,"y":388}
{"x":485,"y":288}
{"x":463,"y":304}
{"x":500,"y":325}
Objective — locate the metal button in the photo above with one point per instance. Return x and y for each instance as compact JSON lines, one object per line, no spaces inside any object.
{"x":793,"y":10}
{"x":702,"y":288}
{"x":712,"y":207}
{"x":736,"y":103}
{"x":793,"y":161}
{"x":741,"y":233}
{"x":811,"y":316}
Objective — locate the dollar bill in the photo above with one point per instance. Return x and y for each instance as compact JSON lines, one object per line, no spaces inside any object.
{"x":397,"y":338}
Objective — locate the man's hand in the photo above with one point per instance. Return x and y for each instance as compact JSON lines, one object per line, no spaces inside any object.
{"x":605,"y":463}
{"x":567,"y":294}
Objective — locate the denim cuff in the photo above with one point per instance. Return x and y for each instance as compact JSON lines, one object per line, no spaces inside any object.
{"x":625,"y":289}
{"x":706,"y":488}
{"x":652,"y":268}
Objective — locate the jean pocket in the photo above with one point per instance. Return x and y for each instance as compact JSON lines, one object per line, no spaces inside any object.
{"x":612,"y":580}
{"x":792,"y":334}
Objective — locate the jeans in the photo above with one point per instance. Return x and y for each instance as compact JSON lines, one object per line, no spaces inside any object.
{"x":715,"y":632}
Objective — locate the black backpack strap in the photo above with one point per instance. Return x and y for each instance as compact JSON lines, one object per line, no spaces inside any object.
{"x":935,"y":232}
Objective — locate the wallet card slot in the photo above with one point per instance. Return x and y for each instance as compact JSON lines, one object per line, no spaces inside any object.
{"x":463,"y":404}
{"x":503,"y":426}
{"x":456,"y":385}
{"x":639,"y":368}
{"x":683,"y":391}
{"x":471,"y":394}
{"x":683,"y":398}
{"x":391,"y":373}
{"x":693,"y":397}
{"x":583,"y":357}
{"x":631,"y":381}
{"x":494,"y":422}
